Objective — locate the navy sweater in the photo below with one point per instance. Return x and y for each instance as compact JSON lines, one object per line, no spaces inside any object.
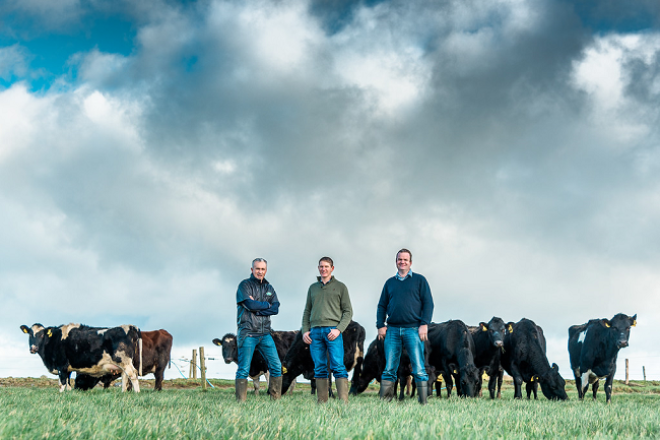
{"x":406,"y":303}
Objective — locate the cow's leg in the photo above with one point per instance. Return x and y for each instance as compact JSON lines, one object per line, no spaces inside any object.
{"x":131,"y":372}
{"x":255,"y":384}
{"x":492,"y":383}
{"x":529,"y":387}
{"x":517,"y":384}
{"x":449,"y":381}
{"x":608,"y":386}
{"x":500,"y":379}
{"x":65,"y":383}
{"x":402,"y":392}
{"x":291,"y":387}
{"x":578,"y":382}
{"x":595,"y":387}
{"x":409,"y":385}
{"x":312,"y":384}
{"x":159,"y":374}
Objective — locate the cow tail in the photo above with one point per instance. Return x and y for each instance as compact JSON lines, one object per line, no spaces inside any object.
{"x":140,"y":349}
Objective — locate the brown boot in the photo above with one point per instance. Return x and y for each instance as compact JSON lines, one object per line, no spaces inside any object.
{"x":322,"y":390}
{"x":342,"y":389}
{"x":241,"y":390}
{"x":275,"y":388}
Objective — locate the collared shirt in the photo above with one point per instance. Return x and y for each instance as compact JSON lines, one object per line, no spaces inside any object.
{"x":400,"y":278}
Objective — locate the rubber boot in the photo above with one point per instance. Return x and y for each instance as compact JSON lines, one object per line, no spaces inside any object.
{"x":342,"y":389}
{"x":241,"y":390}
{"x":322,"y":390}
{"x":422,"y":392}
{"x":387,"y":390}
{"x":275,"y":388}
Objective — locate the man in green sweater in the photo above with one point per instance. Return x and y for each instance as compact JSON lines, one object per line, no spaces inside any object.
{"x":327,"y":313}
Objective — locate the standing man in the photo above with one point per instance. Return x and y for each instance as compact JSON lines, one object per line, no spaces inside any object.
{"x":407,"y":305}
{"x":256,"y":302}
{"x":327,"y":313}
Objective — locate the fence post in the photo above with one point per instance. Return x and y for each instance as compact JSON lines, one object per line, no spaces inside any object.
{"x":627,"y":371}
{"x":193,"y":365}
{"x":202,"y":365}
{"x":644,"y":372}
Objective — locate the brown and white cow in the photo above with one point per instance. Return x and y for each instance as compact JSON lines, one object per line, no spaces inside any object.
{"x":90,"y":350}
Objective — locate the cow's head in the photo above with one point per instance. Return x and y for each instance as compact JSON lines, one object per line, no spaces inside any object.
{"x":496,"y":330}
{"x":553,"y":385}
{"x":38,"y":335}
{"x":620,"y":327}
{"x":229,"y":347}
{"x":469,"y":377}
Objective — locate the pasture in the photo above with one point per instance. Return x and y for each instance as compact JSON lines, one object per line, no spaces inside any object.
{"x":34,"y":408}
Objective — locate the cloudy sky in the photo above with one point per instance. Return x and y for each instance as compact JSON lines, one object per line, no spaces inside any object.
{"x":150,"y":150}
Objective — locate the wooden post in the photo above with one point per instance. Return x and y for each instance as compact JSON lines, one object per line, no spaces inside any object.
{"x":193,"y":364}
{"x":202,"y":365}
{"x":627,"y":371}
{"x":644,"y":372}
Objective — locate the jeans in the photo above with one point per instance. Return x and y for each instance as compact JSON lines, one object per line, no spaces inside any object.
{"x":266,"y":347}
{"x":320,"y":349}
{"x":395,"y":339}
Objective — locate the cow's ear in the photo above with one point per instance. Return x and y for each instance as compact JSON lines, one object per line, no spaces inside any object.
{"x":634,"y":320}
{"x":483,"y":326}
{"x":25,"y":329}
{"x":217,"y":341}
{"x":509,"y":327}
{"x":555,"y":367}
{"x":606,"y":323}
{"x":49,"y":332}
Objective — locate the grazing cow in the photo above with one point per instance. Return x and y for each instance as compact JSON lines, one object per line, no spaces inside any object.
{"x":450,"y":350}
{"x":488,"y":345}
{"x":593,"y":348}
{"x":299,"y":361}
{"x":525,"y":360}
{"x":258,"y":366}
{"x":90,"y":350}
{"x":155,"y":355}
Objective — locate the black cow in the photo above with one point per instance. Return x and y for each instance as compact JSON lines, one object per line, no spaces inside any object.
{"x":90,"y":350}
{"x":593,"y":348}
{"x":488,"y":344}
{"x":450,"y":350}
{"x":525,"y":360}
{"x":299,"y":360}
{"x":155,"y":355}
{"x":258,"y":366}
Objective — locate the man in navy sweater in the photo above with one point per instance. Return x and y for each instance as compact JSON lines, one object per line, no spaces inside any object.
{"x":406,"y":304}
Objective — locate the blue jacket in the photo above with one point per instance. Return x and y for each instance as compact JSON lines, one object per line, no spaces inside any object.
{"x":253,"y":315}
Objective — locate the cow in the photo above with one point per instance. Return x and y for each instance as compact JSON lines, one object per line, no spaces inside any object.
{"x":525,"y":360}
{"x":488,"y":345}
{"x":155,"y":355}
{"x":374,"y":364}
{"x":258,"y":366}
{"x":593,"y":348}
{"x":299,"y":361}
{"x":450,"y":350}
{"x":90,"y":350}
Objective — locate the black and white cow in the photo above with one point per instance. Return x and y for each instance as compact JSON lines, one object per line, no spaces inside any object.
{"x":488,"y":345}
{"x":299,"y":360}
{"x":90,"y":350}
{"x":258,"y":366}
{"x":593,"y":348}
{"x":450,"y":350}
{"x":525,"y":360}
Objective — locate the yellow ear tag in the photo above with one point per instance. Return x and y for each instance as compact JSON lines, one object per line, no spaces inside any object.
{"x":455,"y":372}
{"x":510,"y":329}
{"x":634,"y":323}
{"x":284,"y":370}
{"x":484,"y":329}
{"x":50,"y":333}
{"x":607,"y":325}
{"x":25,"y":331}
{"x":532,"y":379}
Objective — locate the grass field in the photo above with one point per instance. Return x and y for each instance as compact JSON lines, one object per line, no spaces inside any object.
{"x":35,"y":409}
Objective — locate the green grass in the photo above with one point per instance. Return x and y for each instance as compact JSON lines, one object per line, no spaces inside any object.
{"x":36,"y":413}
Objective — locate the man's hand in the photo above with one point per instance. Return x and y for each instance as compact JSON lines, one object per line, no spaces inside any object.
{"x":334,"y":334}
{"x":424,"y":332}
{"x":382,"y":332}
{"x":306,"y":339}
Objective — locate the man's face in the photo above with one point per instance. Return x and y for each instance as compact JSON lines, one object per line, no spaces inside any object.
{"x":259,"y":270}
{"x":325,"y":269}
{"x":403,"y":261}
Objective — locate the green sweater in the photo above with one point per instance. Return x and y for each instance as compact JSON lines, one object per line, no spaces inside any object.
{"x":327,"y":306}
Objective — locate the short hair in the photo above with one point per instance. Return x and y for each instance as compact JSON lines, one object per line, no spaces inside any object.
{"x":406,"y":251}
{"x":258,"y":260}
{"x":329,"y":260}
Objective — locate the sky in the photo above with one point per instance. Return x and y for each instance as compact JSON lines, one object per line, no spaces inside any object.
{"x":150,"y":150}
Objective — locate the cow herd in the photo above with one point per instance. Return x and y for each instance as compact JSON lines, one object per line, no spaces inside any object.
{"x":456,"y":354}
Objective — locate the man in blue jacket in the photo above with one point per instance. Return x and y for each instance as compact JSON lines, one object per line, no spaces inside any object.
{"x":256,"y":302}
{"x":406,"y":304}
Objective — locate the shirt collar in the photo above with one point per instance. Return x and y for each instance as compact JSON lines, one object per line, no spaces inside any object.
{"x":400,"y":278}
{"x":332,"y":277}
{"x":253,"y":278}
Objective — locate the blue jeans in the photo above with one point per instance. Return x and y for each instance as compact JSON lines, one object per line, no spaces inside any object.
{"x":321,"y":347}
{"x":266,"y":347}
{"x":395,"y":339}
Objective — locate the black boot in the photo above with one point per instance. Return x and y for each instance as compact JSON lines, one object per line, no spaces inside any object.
{"x":386,"y":390}
{"x":422,"y":392}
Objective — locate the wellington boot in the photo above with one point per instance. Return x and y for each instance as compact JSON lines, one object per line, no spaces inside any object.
{"x":342,"y":389}
{"x":241,"y":390}
{"x":322,"y":390}
{"x":422,"y":392}
{"x":387,"y":390}
{"x":275,"y":388}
